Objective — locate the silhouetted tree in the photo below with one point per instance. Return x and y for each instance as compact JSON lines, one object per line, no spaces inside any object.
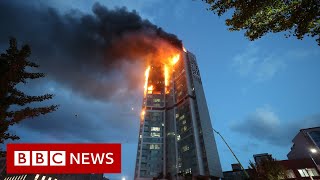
{"x":258,"y":18}
{"x":13,"y":102}
{"x":266,"y":169}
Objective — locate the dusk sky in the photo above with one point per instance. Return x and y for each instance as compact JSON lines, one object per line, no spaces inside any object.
{"x":259,"y":93}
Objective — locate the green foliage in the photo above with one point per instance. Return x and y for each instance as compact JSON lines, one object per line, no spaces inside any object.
{"x":258,"y":17}
{"x":266,"y":169}
{"x":13,"y":66}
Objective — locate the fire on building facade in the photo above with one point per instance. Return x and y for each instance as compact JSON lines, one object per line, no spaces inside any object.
{"x":175,"y":136}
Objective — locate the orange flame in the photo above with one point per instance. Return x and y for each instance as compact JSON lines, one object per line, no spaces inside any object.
{"x":175,"y":59}
{"x":143,"y":112}
{"x":146,"y":74}
{"x":150,"y":89}
{"x":166,"y":78}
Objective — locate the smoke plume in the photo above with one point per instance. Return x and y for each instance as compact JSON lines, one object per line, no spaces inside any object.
{"x":99,"y":55}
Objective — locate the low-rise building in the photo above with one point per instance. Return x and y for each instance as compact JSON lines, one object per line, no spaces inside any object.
{"x":306,"y":144}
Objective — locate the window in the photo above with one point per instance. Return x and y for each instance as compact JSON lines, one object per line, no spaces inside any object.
{"x":181,"y":117}
{"x":185,"y":148}
{"x":154,"y":146}
{"x":178,"y":137}
{"x":156,"y":100}
{"x":290,"y":174}
{"x":155,"y":128}
{"x":184,"y":128}
{"x":184,"y":122}
{"x":303,"y":173}
{"x":312,"y":172}
{"x":170,"y":134}
{"x":155,"y":134}
{"x":188,"y":171}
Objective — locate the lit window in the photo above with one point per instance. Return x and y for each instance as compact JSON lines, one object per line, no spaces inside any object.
{"x":178,"y":137}
{"x":188,"y":170}
{"x":155,"y":128}
{"x":185,"y":148}
{"x":155,"y":134}
{"x":156,"y":100}
{"x":151,"y":146}
{"x":140,"y":136}
{"x":177,"y":115}
{"x":303,"y":173}
{"x":290,"y":174}
{"x":170,"y":134}
{"x":37,"y":176}
{"x":184,"y":122}
{"x":154,"y":146}
{"x":312,"y":172}
{"x":181,"y":117}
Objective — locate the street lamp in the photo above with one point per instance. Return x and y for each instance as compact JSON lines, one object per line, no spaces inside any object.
{"x":245,"y":172}
{"x":313,"y":151}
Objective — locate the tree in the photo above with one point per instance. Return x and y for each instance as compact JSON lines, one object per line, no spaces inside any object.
{"x":13,"y":102}
{"x":298,"y":17}
{"x":266,"y":169}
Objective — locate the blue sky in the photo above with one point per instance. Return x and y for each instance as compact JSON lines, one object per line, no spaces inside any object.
{"x":259,"y":93}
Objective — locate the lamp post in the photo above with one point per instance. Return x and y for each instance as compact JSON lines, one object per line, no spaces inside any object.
{"x":245,"y":172}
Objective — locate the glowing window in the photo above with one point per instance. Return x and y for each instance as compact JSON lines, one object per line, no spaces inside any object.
{"x":185,"y":148}
{"x":312,"y":172}
{"x":303,"y":173}
{"x":155,"y":134}
{"x":184,"y":122}
{"x":178,"y":137}
{"x":156,"y":100}
{"x":155,"y":128}
{"x":37,"y":176}
{"x":181,"y":117}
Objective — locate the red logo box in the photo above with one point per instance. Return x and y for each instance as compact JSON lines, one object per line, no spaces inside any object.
{"x":63,"y":158}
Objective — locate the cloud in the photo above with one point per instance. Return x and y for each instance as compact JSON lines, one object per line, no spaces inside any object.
{"x":265,"y":125}
{"x":259,"y":64}
{"x":79,"y":119}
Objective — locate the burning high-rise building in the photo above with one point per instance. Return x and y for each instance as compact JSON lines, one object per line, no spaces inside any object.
{"x":176,"y":135}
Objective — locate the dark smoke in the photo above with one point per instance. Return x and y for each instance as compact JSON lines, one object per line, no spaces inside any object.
{"x":99,"y":55}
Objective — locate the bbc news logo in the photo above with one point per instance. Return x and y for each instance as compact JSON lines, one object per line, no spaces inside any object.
{"x":63,"y":158}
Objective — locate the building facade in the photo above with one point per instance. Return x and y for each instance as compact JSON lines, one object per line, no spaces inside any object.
{"x":258,"y":158}
{"x":176,"y":136}
{"x":306,"y":144}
